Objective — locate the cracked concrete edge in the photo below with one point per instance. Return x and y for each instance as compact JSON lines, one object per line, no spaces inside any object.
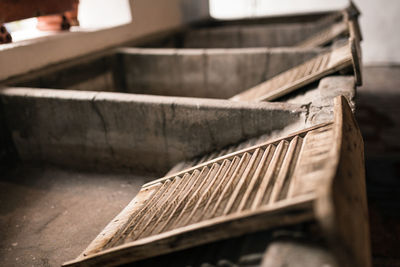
{"x":318,"y":102}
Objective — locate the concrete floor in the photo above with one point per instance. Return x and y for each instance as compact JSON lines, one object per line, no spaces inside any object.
{"x":378,"y":115}
{"x":49,"y":215}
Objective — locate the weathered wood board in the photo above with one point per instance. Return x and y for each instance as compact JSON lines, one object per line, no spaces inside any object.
{"x":281,"y":182}
{"x":339,"y":59}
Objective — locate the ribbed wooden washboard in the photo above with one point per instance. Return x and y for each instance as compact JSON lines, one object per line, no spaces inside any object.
{"x":267,"y":185}
{"x":312,"y":70}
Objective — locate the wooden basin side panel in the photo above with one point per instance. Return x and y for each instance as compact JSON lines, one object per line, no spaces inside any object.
{"x":342,"y":205}
{"x":349,"y":192}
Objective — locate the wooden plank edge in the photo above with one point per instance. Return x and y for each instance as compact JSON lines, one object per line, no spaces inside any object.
{"x":336,"y":66}
{"x":283,"y":213}
{"x":119,"y":222}
{"x":231,"y":155}
{"x":356,"y":58}
{"x":338,"y":187}
{"x":307,"y":80}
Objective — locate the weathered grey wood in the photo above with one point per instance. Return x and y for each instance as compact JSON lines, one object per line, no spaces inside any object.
{"x":327,"y":63}
{"x":342,"y":206}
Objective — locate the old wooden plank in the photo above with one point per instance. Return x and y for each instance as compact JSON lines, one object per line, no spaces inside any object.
{"x":327,"y":63}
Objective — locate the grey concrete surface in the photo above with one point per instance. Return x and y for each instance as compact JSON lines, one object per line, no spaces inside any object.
{"x":378,"y":109}
{"x":49,"y":215}
{"x":210,"y":73}
{"x":235,"y":36}
{"x":298,"y":253}
{"x":137,"y":132}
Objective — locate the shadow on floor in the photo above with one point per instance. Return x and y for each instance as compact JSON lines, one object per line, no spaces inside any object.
{"x":378,"y":115}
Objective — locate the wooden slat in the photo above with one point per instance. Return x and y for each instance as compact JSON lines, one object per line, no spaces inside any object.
{"x":249,"y":195}
{"x":265,"y":188}
{"x":286,"y":170}
{"x":312,"y":70}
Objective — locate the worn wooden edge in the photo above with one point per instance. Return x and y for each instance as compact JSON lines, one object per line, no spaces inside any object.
{"x":233,"y":154}
{"x":356,"y":58}
{"x":333,"y":31}
{"x":354,"y":28}
{"x":338,"y":188}
{"x":351,"y":14}
{"x":339,"y":59}
{"x":335,"y":67}
{"x":119,"y":222}
{"x":283,"y":213}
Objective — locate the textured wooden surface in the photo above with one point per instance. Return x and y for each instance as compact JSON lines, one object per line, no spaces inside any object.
{"x":327,"y":63}
{"x":342,"y":206}
{"x":253,"y":189}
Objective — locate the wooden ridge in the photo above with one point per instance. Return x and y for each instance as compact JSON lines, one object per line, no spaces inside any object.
{"x":339,"y":59}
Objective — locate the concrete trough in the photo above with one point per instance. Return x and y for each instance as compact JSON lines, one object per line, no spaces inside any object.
{"x":206,"y":73}
{"x":100,"y":130}
{"x":264,"y":32}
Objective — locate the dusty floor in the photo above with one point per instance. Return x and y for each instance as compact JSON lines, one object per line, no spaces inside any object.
{"x":48,"y":215}
{"x":378,"y":114}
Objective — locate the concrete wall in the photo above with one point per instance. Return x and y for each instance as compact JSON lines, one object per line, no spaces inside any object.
{"x":258,"y":35}
{"x":217,"y":73}
{"x":380,"y":22}
{"x":142,"y":133}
